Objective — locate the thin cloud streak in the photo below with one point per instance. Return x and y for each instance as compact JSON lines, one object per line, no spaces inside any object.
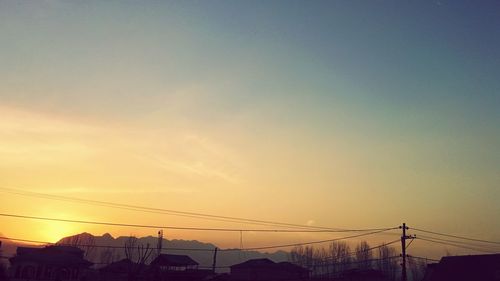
{"x":197,"y":168}
{"x":96,"y":190}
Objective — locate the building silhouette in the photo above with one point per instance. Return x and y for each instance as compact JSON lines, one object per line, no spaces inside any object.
{"x":267,"y":270}
{"x":473,"y":267}
{"x":56,"y":263}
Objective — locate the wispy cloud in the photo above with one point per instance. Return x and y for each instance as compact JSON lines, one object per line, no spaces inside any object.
{"x":59,"y":143}
{"x":196,"y":168}
{"x":192,"y":155}
{"x":95,"y":190}
{"x":41,"y":138}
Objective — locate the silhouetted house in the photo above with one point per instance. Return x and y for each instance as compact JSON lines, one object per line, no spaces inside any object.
{"x":267,"y":270}
{"x":178,"y":268}
{"x":429,"y":271}
{"x":362,"y":275}
{"x":222,"y":277}
{"x":476,"y":268}
{"x":124,"y":269}
{"x":50,"y":263}
{"x":166,"y":262}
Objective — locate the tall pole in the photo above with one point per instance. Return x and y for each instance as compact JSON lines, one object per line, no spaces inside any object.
{"x":214,"y":260}
{"x":403,"y":253}
{"x":160,"y":242}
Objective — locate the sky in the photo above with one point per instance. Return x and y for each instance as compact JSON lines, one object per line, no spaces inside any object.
{"x":346,"y":114}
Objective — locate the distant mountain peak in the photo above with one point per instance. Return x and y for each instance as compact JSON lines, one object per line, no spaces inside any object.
{"x":84,"y":236}
{"x":107,"y":236}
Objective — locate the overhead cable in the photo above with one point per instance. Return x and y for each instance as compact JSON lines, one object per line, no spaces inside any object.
{"x":456,"y":236}
{"x":167,"y":211}
{"x":178,"y":227}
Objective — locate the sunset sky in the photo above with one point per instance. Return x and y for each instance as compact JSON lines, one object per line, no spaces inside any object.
{"x":346,"y":114}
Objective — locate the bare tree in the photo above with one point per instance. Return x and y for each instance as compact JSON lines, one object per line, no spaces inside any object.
{"x":417,"y":268}
{"x":363,"y":255}
{"x":3,"y":272}
{"x":321,"y":261}
{"x":303,"y":256}
{"x":107,"y":256}
{"x":387,"y":261}
{"x":138,"y":254}
{"x":314,"y":259}
{"x":129,"y":248}
{"x":340,"y":256}
{"x":143,"y":253}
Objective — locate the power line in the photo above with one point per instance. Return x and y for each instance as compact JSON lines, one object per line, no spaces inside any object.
{"x":177,"y":227}
{"x":114,"y":205}
{"x":320,"y":241}
{"x":198,"y":249}
{"x":422,"y":258}
{"x":162,"y":211}
{"x":96,"y":246}
{"x":322,"y":265}
{"x":364,"y":251}
{"x":25,"y":240}
{"x":356,"y":262}
{"x":454,"y":241}
{"x":116,"y":224}
{"x":458,"y":246}
{"x":107,"y":204}
{"x":455,"y":236}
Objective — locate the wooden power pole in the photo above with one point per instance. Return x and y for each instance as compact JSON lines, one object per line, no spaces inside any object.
{"x":403,"y":253}
{"x":214,"y":264}
{"x":160,"y":242}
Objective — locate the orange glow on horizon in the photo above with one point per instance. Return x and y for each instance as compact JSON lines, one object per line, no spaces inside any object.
{"x":54,"y":231}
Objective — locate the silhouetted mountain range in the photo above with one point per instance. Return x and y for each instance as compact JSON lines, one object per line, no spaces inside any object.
{"x":204,"y":258}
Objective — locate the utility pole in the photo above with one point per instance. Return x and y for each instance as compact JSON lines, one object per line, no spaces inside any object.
{"x":214,"y":260}
{"x":403,"y":251}
{"x":160,"y":241}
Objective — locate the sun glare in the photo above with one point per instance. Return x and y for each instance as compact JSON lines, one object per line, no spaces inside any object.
{"x":54,"y":231}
